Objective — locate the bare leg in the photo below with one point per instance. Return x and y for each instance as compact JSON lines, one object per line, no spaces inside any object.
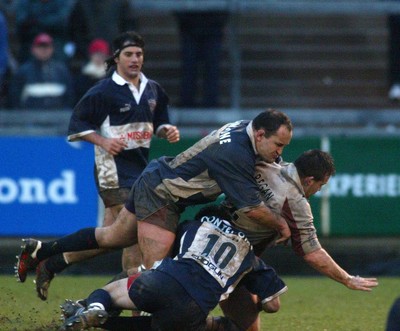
{"x":241,"y":307}
{"x":131,"y":256}
{"x":155,"y":242}
{"x":74,"y":257}
{"x":122,"y":233}
{"x":119,"y":294}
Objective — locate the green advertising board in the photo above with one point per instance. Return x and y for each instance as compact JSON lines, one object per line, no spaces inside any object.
{"x":364,"y":194}
{"x":362,"y":199}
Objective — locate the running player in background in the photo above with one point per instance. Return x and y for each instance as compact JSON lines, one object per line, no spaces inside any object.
{"x":212,"y":258}
{"x":119,"y":116}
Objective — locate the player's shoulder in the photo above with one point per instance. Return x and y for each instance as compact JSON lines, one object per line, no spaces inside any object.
{"x":236,"y":142}
{"x":102,"y":87}
{"x":153,"y":82}
{"x":156,"y":86}
{"x":263,"y":166}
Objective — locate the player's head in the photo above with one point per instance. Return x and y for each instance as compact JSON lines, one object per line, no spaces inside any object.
{"x":314,"y":167}
{"x":218,"y":211}
{"x":272,"y":131}
{"x":127,"y":39}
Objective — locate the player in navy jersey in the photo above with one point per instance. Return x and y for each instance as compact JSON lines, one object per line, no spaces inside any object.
{"x":212,"y":258}
{"x":222,"y":162}
{"x":119,"y":115}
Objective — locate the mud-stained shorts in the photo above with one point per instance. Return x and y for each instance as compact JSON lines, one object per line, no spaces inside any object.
{"x":113,"y":197}
{"x":149,"y":207}
{"x":172,"y":308}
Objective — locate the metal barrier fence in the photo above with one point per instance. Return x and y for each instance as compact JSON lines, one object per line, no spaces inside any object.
{"x":198,"y":122}
{"x":281,"y":6}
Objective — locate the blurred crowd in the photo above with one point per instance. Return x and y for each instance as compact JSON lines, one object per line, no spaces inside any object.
{"x":52,"y":51}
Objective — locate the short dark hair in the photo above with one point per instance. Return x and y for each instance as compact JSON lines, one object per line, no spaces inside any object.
{"x":125,"y":39}
{"x":315,"y":163}
{"x":213,"y":210}
{"x":271,"y":120}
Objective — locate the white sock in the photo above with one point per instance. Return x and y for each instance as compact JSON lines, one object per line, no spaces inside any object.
{"x":38,"y":246}
{"x":96,"y":305}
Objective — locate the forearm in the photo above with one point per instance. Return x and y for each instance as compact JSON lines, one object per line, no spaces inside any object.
{"x":114,"y":146}
{"x":94,"y":138}
{"x":264,"y":215}
{"x":321,"y":261}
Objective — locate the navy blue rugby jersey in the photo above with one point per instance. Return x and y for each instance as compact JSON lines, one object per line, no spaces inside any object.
{"x":111,"y":110}
{"x":212,"y":259}
{"x":222,"y":162}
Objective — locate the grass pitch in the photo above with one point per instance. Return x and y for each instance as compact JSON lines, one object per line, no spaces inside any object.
{"x":312,"y":304}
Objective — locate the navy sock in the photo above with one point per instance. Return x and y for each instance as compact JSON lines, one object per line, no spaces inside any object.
{"x":56,"y":263}
{"x":78,"y":241}
{"x":101,"y":296}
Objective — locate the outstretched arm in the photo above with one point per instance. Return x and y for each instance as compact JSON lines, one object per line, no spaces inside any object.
{"x":321,"y":261}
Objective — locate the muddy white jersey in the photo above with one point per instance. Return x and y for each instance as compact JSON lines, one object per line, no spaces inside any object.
{"x":281,"y":190}
{"x":212,"y":258}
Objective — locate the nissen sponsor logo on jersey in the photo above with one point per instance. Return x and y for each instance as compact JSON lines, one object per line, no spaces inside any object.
{"x":365,"y":185}
{"x":225,"y":134}
{"x":35,"y":191}
{"x":136,"y":135}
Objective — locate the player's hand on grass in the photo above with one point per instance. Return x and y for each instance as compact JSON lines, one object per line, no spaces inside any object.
{"x":361,"y":284}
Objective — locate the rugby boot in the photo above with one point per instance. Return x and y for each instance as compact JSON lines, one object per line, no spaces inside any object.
{"x":70,"y":308}
{"x":27,"y":261}
{"x":84,"y":320}
{"x":43,"y":279}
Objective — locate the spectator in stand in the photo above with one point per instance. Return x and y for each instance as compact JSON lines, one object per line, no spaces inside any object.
{"x":94,"y":69}
{"x":3,"y":46}
{"x":201,"y":36}
{"x":394,"y":56}
{"x":36,"y":16}
{"x":4,"y":55}
{"x":42,"y":82}
{"x":92,"y":19}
